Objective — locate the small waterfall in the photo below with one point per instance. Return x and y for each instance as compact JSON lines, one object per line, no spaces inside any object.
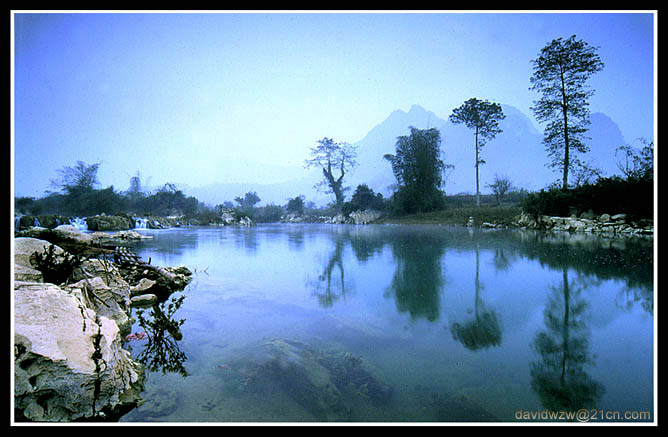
{"x":141,"y":223}
{"x":17,"y":223}
{"x":36,"y":223}
{"x":79,"y":223}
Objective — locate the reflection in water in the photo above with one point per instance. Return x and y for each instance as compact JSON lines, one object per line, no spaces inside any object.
{"x":342,"y":285}
{"x":162,"y":352}
{"x":329,"y":289}
{"x":417,"y":281}
{"x":484,"y":330}
{"x":559,"y":377}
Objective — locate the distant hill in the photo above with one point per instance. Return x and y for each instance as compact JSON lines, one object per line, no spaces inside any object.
{"x":517,"y":153}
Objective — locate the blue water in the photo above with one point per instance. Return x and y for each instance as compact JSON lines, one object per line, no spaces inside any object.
{"x":459,"y":325}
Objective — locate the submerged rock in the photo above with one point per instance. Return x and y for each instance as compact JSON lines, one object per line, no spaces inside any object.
{"x":329,"y":383}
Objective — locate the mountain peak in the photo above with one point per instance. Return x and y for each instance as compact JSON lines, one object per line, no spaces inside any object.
{"x":417,"y":108}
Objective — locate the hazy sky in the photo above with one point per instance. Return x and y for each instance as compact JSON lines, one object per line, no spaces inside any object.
{"x":194,"y":98}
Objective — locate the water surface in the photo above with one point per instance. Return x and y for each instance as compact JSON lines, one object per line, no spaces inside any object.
{"x":449,"y":325}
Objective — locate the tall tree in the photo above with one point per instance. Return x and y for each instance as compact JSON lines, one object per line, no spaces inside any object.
{"x":483,"y":117}
{"x":333,"y":157}
{"x":418,"y":168}
{"x":560,"y":73}
{"x":81,"y":178}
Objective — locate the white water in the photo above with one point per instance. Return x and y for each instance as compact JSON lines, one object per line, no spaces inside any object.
{"x":79,"y":223}
{"x":141,"y":223}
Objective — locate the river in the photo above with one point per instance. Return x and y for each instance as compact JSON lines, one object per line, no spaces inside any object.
{"x":449,"y":324}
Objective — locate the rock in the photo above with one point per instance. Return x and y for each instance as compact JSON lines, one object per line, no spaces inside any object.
{"x":27,"y":274}
{"x":160,"y":402}
{"x":589,"y":215}
{"x":338,"y":219}
{"x":227,"y":218}
{"x":48,"y":221}
{"x":111,"y":302}
{"x":143,"y":300}
{"x":25,"y":247}
{"x":618,"y":218}
{"x":246,"y":221}
{"x":364,"y":217}
{"x":130,"y":235}
{"x":142,"y":287}
{"x":604,"y":218}
{"x":109,"y":223}
{"x":107,"y":270}
{"x":68,"y":361}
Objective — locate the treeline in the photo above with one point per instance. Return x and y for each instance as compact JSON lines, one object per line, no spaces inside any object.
{"x":631,"y":194}
{"x":166,"y":201}
{"x":77,"y":196}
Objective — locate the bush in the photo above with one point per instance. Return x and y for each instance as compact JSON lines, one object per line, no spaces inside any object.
{"x":364,"y":198}
{"x":634,"y":197}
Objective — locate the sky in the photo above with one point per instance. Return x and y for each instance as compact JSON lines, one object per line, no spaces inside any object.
{"x":201,"y":98}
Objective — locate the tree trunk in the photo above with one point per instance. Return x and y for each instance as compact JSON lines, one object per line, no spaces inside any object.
{"x":477,"y":167}
{"x":564,"y":108}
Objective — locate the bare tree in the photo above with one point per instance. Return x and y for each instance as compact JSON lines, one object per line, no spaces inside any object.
{"x":333,"y":157}
{"x":500,"y":187}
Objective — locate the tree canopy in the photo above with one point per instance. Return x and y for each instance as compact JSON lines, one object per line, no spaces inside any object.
{"x":483,"y":117}
{"x":560,"y":73}
{"x":418,"y":168}
{"x":80,"y":178}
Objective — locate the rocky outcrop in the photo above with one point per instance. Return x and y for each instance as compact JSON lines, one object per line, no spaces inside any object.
{"x":48,"y":221}
{"x":356,"y":217}
{"x":69,"y":364}
{"x":364,"y":217}
{"x":605,"y":223}
{"x":109,"y":223}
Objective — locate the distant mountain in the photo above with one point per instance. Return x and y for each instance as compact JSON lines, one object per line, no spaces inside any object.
{"x":517,"y":153}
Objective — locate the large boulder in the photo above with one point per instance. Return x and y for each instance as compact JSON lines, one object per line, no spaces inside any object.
{"x":68,"y":361}
{"x":109,"y":223}
{"x":49,"y":221}
{"x":24,"y":249}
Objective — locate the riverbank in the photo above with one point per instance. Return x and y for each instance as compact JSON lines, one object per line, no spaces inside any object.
{"x":514,"y":217}
{"x":501,"y":215}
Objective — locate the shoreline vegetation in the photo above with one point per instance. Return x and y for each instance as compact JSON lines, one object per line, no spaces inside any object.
{"x":487,"y":217}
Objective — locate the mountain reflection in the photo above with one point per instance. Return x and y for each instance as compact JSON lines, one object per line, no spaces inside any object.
{"x":484,"y":330}
{"x":559,"y":376}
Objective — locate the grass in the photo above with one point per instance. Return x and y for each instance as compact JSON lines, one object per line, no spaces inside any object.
{"x":459,"y":215}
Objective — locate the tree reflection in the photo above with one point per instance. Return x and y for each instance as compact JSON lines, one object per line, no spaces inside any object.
{"x":484,"y":330}
{"x":418,"y":278}
{"x":246,"y":237}
{"x":329,"y":288}
{"x":559,"y":377}
{"x":366,"y":245}
{"x":162,"y":351}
